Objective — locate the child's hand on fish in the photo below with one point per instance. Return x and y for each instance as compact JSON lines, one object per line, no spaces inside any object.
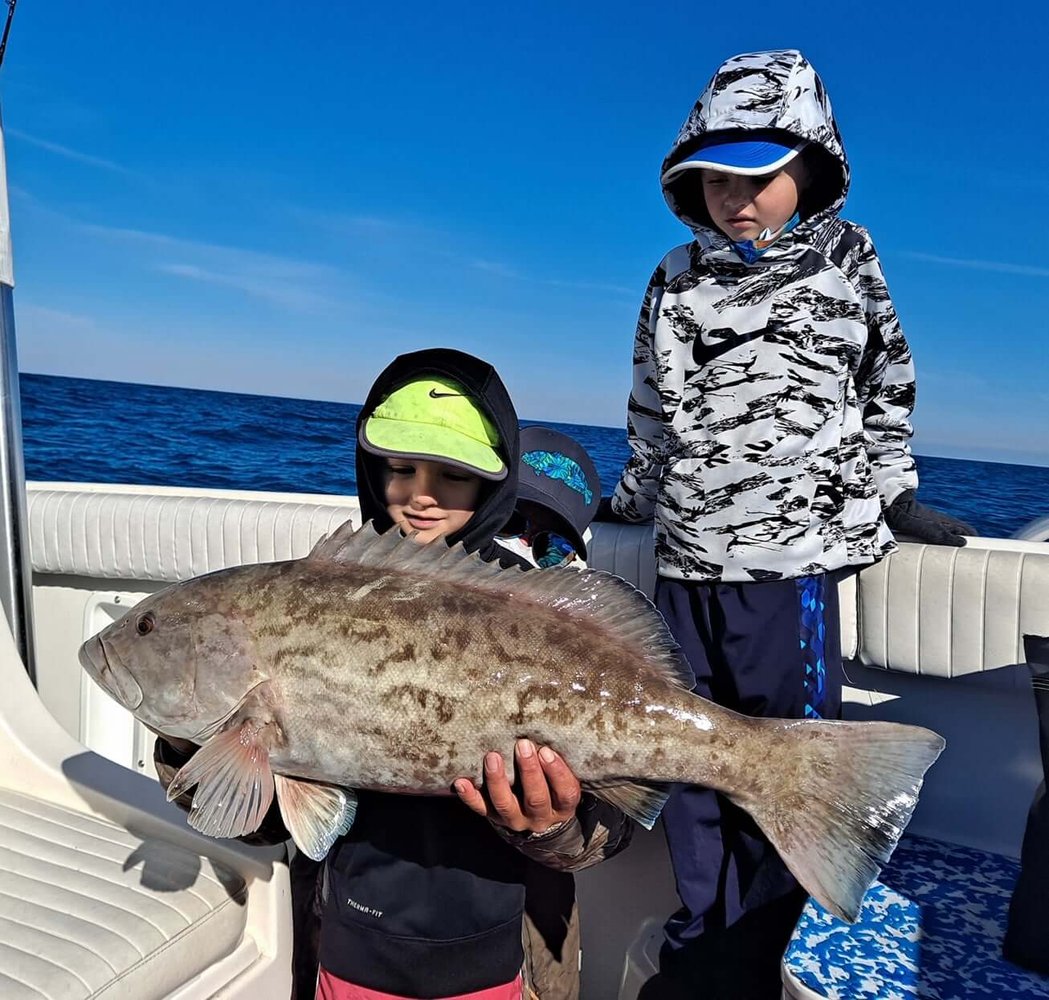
{"x":549,"y":790}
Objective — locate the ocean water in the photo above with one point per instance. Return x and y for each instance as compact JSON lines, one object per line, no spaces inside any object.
{"x":85,"y":430}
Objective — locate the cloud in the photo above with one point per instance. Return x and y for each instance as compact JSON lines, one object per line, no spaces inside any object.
{"x":66,"y":322}
{"x":66,"y":343}
{"x":1025,"y":270}
{"x":288,"y":296}
{"x":497,"y":268}
{"x":348,"y":224}
{"x":513,"y":274}
{"x":293,"y":284}
{"x":71,"y":154}
{"x":414,"y":238}
{"x":594,"y":286}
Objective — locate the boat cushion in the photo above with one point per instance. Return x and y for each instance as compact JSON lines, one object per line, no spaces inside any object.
{"x":115,"y":914}
{"x":931,"y":927}
{"x":160,"y":533}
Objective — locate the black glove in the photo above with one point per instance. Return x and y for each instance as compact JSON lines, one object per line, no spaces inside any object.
{"x":905,"y":516}
{"x":605,"y":513}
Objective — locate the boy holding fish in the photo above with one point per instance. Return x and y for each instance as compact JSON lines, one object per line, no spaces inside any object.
{"x":425,"y":898}
{"x":768,"y":425}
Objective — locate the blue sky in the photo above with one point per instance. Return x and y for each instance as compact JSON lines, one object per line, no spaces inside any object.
{"x":241,"y":196}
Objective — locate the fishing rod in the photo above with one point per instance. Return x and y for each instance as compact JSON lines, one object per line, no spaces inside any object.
{"x":7,"y":28}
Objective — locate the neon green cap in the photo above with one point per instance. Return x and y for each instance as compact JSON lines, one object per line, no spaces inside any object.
{"x":433,"y":419}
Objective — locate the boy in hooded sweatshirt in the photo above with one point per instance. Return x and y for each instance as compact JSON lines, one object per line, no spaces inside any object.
{"x":768,"y":426}
{"x":424,"y":896}
{"x":558,"y":491}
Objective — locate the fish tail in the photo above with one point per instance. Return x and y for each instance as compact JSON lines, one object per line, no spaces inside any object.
{"x":837,"y":801}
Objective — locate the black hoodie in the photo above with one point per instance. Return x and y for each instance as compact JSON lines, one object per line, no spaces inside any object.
{"x":425,"y":898}
{"x":481,"y":383}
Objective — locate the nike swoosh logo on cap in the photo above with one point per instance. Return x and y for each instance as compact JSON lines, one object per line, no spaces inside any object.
{"x":434,"y":394}
{"x":703,"y":353}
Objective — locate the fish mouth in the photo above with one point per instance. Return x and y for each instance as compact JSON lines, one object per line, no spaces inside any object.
{"x":110,"y":674}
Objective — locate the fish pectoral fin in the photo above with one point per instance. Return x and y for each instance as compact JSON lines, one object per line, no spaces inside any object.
{"x":233,"y":779}
{"x":642,"y":801}
{"x":314,"y":813}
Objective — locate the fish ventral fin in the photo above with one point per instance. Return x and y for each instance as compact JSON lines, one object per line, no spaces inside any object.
{"x":641,"y":801}
{"x":846,"y":794}
{"x":233,"y":779}
{"x":586,"y":594}
{"x":315,"y":814}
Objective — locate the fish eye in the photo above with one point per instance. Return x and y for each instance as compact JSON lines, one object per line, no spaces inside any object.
{"x":145,"y":624}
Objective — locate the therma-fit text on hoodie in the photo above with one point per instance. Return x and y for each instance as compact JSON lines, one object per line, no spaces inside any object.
{"x":770,"y":413}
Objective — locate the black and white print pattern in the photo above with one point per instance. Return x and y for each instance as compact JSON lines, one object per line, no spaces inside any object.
{"x":770,"y":415}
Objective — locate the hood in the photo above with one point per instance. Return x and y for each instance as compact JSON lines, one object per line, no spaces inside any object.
{"x":483,"y":384}
{"x":774,"y":91}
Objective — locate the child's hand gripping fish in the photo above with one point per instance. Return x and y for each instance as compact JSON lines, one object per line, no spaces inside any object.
{"x":378,"y":663}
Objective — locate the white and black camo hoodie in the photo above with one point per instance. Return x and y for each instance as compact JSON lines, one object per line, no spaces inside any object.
{"x":770,"y":413}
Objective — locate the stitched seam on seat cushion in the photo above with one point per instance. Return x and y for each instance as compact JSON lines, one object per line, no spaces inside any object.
{"x":170,"y":943}
{"x":82,"y":920}
{"x":61,"y":939}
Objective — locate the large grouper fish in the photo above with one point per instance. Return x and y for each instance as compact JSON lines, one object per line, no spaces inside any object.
{"x":379,"y":663}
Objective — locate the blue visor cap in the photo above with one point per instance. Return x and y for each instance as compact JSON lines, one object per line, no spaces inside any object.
{"x":750,"y":157}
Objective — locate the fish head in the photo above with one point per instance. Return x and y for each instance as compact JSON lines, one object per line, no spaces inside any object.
{"x":179,"y":661}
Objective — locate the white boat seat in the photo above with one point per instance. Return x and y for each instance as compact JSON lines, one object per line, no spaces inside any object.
{"x":92,"y":910}
{"x":931,"y":927}
{"x":105,"y":892}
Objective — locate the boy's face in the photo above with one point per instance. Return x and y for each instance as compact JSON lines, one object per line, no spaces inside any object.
{"x":744,"y":207}
{"x":429,"y":498}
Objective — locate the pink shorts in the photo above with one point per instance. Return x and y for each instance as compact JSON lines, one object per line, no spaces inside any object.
{"x":330,"y":987}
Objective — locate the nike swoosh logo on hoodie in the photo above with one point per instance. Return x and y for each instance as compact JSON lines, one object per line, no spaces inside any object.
{"x":703,"y":353}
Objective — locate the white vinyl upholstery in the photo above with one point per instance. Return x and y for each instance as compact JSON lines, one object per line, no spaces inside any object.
{"x":160,"y":533}
{"x":90,"y":909}
{"x":953,"y":611}
{"x":913,"y":627}
{"x":624,"y":549}
{"x":105,"y":892}
{"x":932,"y":636}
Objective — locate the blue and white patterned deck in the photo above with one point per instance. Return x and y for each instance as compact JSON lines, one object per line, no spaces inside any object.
{"x":930,"y":928}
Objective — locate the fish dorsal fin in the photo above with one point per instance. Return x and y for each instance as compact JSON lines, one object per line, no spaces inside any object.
{"x":615,"y":604}
{"x":587,"y":594}
{"x":367,"y":546}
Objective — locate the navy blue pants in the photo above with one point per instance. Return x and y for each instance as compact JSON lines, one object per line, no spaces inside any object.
{"x":764,"y":649}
